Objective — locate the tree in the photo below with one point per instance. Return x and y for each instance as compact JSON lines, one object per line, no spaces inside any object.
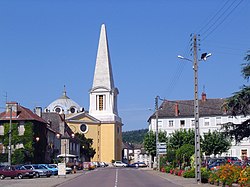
{"x":150,"y":141}
{"x":86,"y":149}
{"x":215,"y":143}
{"x":184,"y":153}
{"x":135,"y":136}
{"x":181,"y":137}
{"x":239,"y":104}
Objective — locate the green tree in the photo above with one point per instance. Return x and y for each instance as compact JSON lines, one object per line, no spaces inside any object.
{"x":215,"y":143}
{"x":181,"y":137}
{"x":238,"y":104}
{"x":135,"y":136}
{"x":150,"y":141}
{"x":184,"y":153}
{"x":86,"y":149}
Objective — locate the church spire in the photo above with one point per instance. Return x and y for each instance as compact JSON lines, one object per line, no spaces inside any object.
{"x":103,"y":94}
{"x":103,"y":76}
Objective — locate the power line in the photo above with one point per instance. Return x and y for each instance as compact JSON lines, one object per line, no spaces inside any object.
{"x":221,"y":22}
{"x":210,"y":20}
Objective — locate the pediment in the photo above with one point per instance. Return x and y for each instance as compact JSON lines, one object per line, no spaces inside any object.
{"x":82,"y":117}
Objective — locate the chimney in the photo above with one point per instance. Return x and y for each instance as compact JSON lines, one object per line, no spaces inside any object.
{"x":13,"y":106}
{"x":38,"y":111}
{"x":176,"y":109}
{"x":203,"y":97}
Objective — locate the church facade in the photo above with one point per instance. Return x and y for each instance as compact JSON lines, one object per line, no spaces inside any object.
{"x":102,"y":123}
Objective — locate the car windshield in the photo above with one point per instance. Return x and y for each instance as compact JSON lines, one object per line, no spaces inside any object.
{"x":28,"y":167}
{"x":42,"y":167}
{"x":36,"y":166}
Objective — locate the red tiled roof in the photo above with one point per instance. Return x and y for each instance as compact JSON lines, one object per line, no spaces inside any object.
{"x":23,"y":114}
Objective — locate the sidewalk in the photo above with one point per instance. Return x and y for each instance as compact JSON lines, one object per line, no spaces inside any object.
{"x":187,"y":182}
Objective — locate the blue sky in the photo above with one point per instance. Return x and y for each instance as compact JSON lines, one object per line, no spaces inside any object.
{"x":46,"y":44}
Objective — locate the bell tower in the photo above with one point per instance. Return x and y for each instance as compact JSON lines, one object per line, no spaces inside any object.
{"x":103,"y":94}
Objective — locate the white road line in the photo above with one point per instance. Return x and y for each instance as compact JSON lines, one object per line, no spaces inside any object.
{"x":116,"y":178}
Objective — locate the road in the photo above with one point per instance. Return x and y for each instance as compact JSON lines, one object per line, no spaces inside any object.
{"x":118,"y":177}
{"x":104,"y":177}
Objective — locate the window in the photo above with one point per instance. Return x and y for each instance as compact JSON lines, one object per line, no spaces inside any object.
{"x":100,"y":102}
{"x":21,"y":129}
{"x":1,"y":130}
{"x":72,"y":110}
{"x":193,"y":122}
{"x":170,"y":123}
{"x":218,"y":120}
{"x":243,"y":154}
{"x":182,"y":122}
{"x":58,"y":110}
{"x":84,"y":128}
{"x":206,"y":122}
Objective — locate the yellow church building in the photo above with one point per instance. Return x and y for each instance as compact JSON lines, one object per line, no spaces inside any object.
{"x":102,"y":123}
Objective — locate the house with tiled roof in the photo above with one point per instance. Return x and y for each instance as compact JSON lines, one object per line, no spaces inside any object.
{"x":64,"y":143}
{"x":179,"y":114}
{"x":22,"y":119}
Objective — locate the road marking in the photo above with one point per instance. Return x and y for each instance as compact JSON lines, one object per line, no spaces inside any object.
{"x":116,"y":178}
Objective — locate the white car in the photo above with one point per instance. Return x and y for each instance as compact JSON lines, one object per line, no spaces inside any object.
{"x":120,"y":164}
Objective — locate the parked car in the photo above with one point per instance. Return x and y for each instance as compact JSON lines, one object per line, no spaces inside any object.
{"x":40,"y":170}
{"x":88,"y":166}
{"x":139,"y":164}
{"x":27,"y":172}
{"x":68,"y":169}
{"x":120,"y":164}
{"x":12,"y":172}
{"x":246,"y":164}
{"x":212,"y":160}
{"x":53,"y":170}
{"x":216,"y":165}
{"x":231,"y":159}
{"x":103,"y":164}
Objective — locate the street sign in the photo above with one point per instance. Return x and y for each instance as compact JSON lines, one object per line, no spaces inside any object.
{"x":161,"y":146}
{"x":162,"y":151}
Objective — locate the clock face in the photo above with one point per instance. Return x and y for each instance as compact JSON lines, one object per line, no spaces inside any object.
{"x":73,"y":128}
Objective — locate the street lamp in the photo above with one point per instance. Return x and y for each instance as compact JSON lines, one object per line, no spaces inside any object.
{"x":204,"y":57}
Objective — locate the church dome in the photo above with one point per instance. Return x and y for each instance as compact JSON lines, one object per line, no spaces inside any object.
{"x":64,"y":105}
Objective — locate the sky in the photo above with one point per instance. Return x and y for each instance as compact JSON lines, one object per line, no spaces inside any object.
{"x":46,"y":44}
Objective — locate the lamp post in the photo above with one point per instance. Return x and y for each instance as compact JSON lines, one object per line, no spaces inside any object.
{"x":204,"y":57}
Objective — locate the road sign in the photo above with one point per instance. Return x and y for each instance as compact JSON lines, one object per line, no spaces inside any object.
{"x":161,"y":146}
{"x":162,"y":151}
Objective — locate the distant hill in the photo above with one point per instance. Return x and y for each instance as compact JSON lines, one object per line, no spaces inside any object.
{"x":134,"y":137}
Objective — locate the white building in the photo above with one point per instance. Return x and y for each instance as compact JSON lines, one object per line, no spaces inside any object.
{"x":175,"y":115}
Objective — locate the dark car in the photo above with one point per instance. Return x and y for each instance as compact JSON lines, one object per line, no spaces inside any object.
{"x":216,"y":165}
{"x":12,"y":172}
{"x":231,"y":159}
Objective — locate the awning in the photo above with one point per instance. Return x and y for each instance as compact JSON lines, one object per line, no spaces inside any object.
{"x":66,"y":155}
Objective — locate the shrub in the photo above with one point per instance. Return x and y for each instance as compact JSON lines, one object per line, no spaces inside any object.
{"x":244,"y":178}
{"x":167,"y":169}
{"x":189,"y":174}
{"x":205,"y":174}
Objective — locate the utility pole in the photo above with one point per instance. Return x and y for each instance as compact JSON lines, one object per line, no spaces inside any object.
{"x":204,"y":57}
{"x":156,"y":133}
{"x":196,"y":115}
{"x":10,"y":131}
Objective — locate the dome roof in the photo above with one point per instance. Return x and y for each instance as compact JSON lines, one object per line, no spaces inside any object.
{"x":63,"y":105}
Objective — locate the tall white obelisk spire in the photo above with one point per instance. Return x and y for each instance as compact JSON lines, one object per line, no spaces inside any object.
{"x":103,"y":95}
